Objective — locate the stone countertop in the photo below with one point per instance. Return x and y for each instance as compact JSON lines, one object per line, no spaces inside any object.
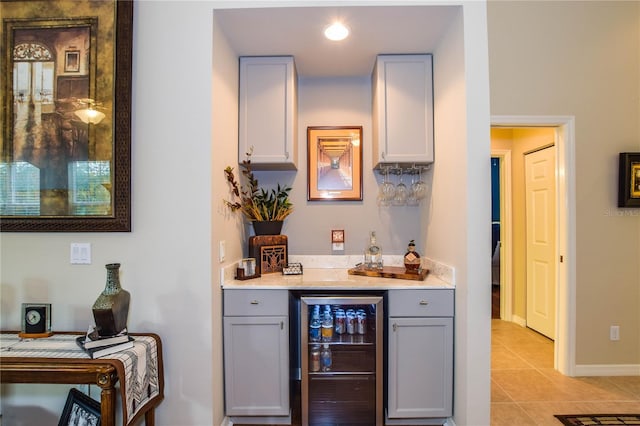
{"x":334,"y":277}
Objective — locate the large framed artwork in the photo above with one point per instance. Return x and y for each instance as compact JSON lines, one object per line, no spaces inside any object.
{"x":334,"y":163}
{"x":629,"y":179}
{"x":65,"y":152}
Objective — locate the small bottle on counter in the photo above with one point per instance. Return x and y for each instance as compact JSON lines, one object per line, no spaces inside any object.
{"x":325,"y":358}
{"x":373,"y":253}
{"x":412,"y":258}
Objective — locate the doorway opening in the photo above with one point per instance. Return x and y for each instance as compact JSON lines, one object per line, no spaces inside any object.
{"x":512,"y":298}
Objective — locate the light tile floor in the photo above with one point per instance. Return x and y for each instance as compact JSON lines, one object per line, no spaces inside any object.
{"x":526,"y":390}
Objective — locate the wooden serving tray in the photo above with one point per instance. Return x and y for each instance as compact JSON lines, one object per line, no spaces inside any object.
{"x":390,"y":272}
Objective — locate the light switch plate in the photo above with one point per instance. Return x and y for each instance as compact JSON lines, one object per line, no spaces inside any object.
{"x":222,"y":250}
{"x":337,"y":246}
{"x":80,"y":253}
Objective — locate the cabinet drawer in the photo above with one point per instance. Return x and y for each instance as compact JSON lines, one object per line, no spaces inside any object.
{"x":421,"y":303}
{"x":256,"y":302}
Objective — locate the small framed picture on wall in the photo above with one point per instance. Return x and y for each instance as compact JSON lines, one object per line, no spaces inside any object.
{"x":629,"y":180}
{"x":72,"y":61}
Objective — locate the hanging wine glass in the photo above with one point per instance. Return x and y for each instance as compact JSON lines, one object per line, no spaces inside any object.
{"x":387,"y":189}
{"x":402,"y":192}
{"x":419,"y":188}
{"x":412,"y":200}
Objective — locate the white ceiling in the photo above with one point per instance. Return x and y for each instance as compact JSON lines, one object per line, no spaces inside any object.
{"x":298,"y":31}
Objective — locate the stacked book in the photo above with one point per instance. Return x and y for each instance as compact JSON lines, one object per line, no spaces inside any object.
{"x":99,"y":346}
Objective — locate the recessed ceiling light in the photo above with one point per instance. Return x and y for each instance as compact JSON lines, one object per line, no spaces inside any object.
{"x":336,"y":32}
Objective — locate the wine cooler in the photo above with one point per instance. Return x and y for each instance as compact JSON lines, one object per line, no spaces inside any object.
{"x":341,"y":360}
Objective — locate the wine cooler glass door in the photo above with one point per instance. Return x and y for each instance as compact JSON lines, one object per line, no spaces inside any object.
{"x":341,"y":359}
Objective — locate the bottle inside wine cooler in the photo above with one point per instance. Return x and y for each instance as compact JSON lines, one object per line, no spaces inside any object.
{"x":327,"y":326}
{"x":315,"y":361}
{"x":325,"y":358}
{"x":314,"y":327}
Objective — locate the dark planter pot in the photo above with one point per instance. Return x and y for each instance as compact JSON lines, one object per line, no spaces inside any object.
{"x":270,"y":227}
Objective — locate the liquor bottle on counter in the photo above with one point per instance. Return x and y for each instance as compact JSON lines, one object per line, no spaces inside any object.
{"x":373,"y":254}
{"x":412,"y":258}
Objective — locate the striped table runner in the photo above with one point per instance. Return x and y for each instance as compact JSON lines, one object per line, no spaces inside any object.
{"x":140,"y":384}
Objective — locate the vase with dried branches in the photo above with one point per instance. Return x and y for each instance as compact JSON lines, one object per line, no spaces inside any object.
{"x":257,"y":204}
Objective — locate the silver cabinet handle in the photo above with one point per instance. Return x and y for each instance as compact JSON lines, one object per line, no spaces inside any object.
{"x":395,"y":326}
{"x":424,"y":303}
{"x":254,"y":302}
{"x":281,"y":325}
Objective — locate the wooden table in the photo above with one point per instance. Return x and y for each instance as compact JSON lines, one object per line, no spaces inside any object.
{"x":103,"y":372}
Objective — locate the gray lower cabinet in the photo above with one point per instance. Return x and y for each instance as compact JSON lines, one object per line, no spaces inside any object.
{"x":420,"y":354}
{"x":256,"y":352}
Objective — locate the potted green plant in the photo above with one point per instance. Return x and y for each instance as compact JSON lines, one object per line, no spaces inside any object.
{"x":265,"y":209}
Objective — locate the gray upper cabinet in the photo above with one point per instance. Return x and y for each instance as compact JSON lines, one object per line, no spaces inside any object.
{"x":268,"y":112}
{"x":402,"y":97}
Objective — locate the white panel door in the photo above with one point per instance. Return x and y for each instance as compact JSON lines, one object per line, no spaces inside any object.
{"x":540,"y":187}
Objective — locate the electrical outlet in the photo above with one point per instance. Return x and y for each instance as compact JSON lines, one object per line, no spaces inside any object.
{"x":614,"y":332}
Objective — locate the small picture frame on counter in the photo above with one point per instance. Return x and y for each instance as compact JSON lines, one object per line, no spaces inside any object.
{"x":292,"y":269}
{"x":270,"y":252}
{"x":247,"y":269}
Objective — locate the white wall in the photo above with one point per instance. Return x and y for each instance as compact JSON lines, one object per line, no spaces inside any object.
{"x":166,"y":258}
{"x":184,"y":134}
{"x":461,"y":202}
{"x":585,"y":64}
{"x":342,"y":101}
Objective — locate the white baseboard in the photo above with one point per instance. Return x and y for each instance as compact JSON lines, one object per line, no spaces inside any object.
{"x":607,"y":370}
{"x":519,"y":320}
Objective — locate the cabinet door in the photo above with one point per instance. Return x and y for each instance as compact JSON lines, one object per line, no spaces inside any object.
{"x":420,"y":376}
{"x":256,"y":366}
{"x":403,"y":109}
{"x":267,"y":115}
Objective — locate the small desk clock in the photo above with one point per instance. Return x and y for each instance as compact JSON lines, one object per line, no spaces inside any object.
{"x":36,"y":320}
